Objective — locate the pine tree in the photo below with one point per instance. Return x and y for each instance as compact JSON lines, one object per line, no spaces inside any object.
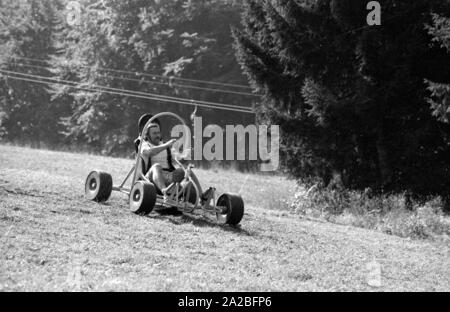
{"x":350,"y":98}
{"x":439,"y":85}
{"x":167,"y":38}
{"x":26,"y":34}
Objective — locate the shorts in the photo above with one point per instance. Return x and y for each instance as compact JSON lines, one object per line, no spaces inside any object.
{"x":173,"y":176}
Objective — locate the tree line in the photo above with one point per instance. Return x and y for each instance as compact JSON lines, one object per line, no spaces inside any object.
{"x":365,"y":105}
{"x":140,"y":46}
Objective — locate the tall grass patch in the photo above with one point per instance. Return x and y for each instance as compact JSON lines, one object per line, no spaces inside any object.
{"x":394,"y":214}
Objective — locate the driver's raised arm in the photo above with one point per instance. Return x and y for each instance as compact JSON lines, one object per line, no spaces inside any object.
{"x":149,"y":150}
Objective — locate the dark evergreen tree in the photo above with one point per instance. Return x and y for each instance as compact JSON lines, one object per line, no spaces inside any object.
{"x":350,"y":99}
{"x":438,"y":77}
{"x":27,"y":31}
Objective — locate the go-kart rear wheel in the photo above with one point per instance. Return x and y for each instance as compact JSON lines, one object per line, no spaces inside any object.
{"x":234,"y":208}
{"x":98,"y":186}
{"x":142,"y":198}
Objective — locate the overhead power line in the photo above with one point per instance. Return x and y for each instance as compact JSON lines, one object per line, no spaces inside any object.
{"x":96,"y":88}
{"x":125,"y":90}
{"x":169,"y":84}
{"x":130,"y":95}
{"x":146,"y":74}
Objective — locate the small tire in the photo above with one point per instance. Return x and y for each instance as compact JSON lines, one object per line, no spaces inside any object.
{"x":143,"y":198}
{"x":98,"y":186}
{"x":234,"y":208}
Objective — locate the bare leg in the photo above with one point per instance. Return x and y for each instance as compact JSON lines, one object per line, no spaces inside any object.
{"x":155,"y":175}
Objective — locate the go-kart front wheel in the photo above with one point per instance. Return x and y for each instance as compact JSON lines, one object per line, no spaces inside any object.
{"x":234,"y":208}
{"x":98,"y":186}
{"x":142,"y":198}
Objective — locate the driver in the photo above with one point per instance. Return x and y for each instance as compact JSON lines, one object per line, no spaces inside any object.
{"x":157,"y":157}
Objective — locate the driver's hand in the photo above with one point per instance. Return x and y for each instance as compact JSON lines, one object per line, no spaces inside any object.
{"x":171,"y":143}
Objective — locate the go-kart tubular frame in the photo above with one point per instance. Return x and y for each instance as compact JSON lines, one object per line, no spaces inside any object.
{"x":229,"y":208}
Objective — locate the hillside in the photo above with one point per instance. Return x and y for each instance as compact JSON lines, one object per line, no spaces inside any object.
{"x":52,"y":239}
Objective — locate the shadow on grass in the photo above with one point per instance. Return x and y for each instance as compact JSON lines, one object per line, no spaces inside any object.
{"x":178,"y":218}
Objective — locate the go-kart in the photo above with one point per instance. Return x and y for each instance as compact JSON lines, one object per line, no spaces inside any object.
{"x":183,"y":194}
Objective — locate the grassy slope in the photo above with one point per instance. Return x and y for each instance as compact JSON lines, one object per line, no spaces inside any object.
{"x":53,"y":239}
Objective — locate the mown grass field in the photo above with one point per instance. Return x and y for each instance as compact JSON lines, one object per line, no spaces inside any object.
{"x":52,"y":239}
